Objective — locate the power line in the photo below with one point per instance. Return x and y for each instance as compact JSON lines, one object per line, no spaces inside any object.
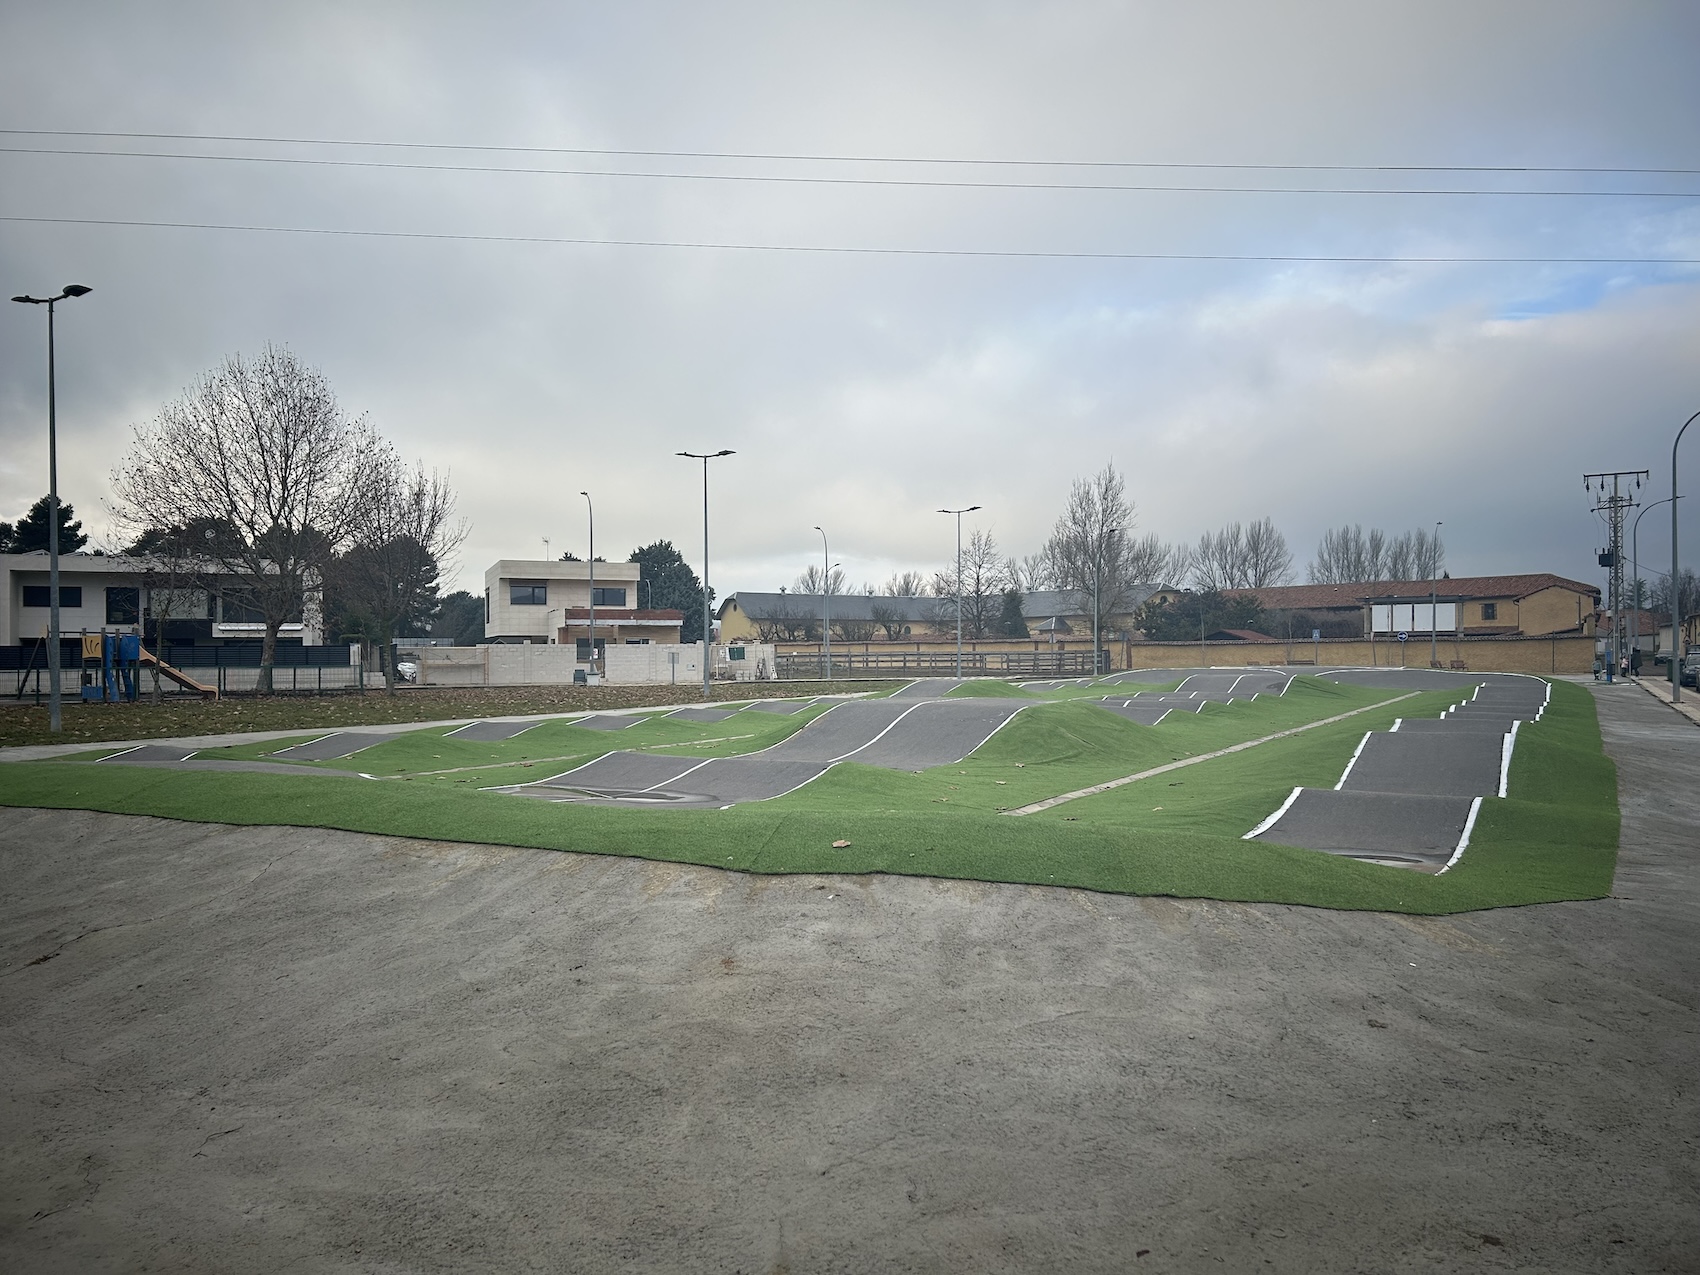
{"x":808,"y":180}
{"x":852,"y":159}
{"x":857,"y":251}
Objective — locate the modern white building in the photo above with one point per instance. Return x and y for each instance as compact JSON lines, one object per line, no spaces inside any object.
{"x":550,"y":602}
{"x":112,"y":593}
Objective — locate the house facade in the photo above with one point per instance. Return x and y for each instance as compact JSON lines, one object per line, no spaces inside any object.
{"x":118,"y":593}
{"x":551,"y":602}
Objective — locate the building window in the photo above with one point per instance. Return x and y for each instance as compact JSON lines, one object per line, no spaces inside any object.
{"x":1490,"y":611}
{"x":40,"y":595}
{"x":528,"y":593}
{"x":123,"y":604}
{"x":608,"y":597}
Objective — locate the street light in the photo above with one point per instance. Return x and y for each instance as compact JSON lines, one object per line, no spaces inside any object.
{"x":1677,"y":587}
{"x":1635,"y":572}
{"x":958,"y":514}
{"x":591,"y":508}
{"x":1433,"y":623}
{"x":826,"y":599}
{"x":53,"y":707}
{"x":707,"y":627}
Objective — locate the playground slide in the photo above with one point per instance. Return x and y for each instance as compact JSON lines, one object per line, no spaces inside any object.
{"x":149,"y":659}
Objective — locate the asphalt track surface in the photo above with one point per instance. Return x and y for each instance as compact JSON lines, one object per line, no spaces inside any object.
{"x":893,"y":734}
{"x":491,"y":732}
{"x":333,"y":747}
{"x":1148,"y":708}
{"x":252,"y":1050}
{"x":1408,"y":796}
{"x":703,"y":714}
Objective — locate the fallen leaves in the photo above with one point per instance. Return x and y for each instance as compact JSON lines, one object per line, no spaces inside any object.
{"x":840,"y":845}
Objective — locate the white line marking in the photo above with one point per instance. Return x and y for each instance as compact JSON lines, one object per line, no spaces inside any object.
{"x":1356,"y":753}
{"x":122,"y":752}
{"x":1049,"y":802}
{"x":1394,"y":729}
{"x":1275,"y":818}
{"x":1505,"y":750}
{"x":1464,"y":840}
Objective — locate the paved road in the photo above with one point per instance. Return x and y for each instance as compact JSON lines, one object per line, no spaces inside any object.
{"x":1408,"y":796}
{"x":892,"y":733}
{"x":331,"y":747}
{"x":259,"y":1049}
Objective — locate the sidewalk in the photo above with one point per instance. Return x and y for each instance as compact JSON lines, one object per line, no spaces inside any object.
{"x":1659,"y":689}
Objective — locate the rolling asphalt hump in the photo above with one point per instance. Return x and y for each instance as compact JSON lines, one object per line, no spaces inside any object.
{"x":894,"y":734}
{"x":1217,"y":686}
{"x":1409,"y":795}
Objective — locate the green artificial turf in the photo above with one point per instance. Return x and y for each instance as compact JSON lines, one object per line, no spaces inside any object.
{"x":1176,"y":834}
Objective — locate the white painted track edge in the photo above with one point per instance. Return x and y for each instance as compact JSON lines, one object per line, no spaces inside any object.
{"x":1275,"y":818}
{"x":1356,"y":753}
{"x":1464,"y":838}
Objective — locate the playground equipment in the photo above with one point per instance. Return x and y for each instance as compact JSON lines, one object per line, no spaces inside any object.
{"x":108,"y":669}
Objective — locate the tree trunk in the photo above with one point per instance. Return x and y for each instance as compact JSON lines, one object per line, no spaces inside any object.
{"x":268,"y":657}
{"x":387,"y":659}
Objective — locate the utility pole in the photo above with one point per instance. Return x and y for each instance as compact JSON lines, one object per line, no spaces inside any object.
{"x":1614,"y":508}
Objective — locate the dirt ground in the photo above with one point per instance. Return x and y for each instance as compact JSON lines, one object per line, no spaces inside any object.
{"x":261,"y":1049}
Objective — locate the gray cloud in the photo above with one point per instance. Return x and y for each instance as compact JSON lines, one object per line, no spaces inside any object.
{"x":865,"y":392}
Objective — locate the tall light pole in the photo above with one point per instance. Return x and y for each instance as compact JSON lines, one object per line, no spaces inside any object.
{"x":1635,"y":567}
{"x":590,"y":507}
{"x":1677,"y":578}
{"x":826,"y":599}
{"x":958,"y":513}
{"x":707,"y":625}
{"x":53,"y":695}
{"x":1433,"y":597}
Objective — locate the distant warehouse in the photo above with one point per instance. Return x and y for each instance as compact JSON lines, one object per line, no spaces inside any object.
{"x":1537,"y":605}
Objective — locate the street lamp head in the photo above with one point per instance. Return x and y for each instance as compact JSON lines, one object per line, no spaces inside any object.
{"x":585,"y":494}
{"x":725,"y":451}
{"x":25,"y":300}
{"x":77,"y":290}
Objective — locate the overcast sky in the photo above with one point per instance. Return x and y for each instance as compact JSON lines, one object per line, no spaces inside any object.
{"x":863,"y":391}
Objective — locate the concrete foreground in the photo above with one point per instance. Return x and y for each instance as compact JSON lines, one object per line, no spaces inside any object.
{"x":266,"y":1049}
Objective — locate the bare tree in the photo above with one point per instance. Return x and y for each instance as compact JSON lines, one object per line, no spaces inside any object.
{"x":1267,"y":561}
{"x":905,"y":584}
{"x":1242,"y":557}
{"x":1031,"y":573}
{"x":981,"y":587}
{"x":891,"y":617}
{"x":403,"y":540}
{"x":1093,"y":545}
{"x":261,"y":447}
{"x":814,"y":580}
{"x":175,"y":576}
{"x":1414,"y":555}
{"x":1350,"y":555}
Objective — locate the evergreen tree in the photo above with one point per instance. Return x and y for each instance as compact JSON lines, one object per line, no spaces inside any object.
{"x":1011,"y":623}
{"x":30,"y":533}
{"x":669,"y":584}
{"x":460,"y":616}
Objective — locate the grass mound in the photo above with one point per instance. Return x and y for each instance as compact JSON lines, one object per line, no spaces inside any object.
{"x":1176,"y":834}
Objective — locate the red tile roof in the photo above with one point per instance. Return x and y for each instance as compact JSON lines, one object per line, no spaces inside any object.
{"x":1323,"y":597}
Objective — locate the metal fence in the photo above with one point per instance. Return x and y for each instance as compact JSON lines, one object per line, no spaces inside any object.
{"x":940,"y":664}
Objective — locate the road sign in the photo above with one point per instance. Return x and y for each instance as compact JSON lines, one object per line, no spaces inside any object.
{"x":1404,"y":637}
{"x":1316,"y":635}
